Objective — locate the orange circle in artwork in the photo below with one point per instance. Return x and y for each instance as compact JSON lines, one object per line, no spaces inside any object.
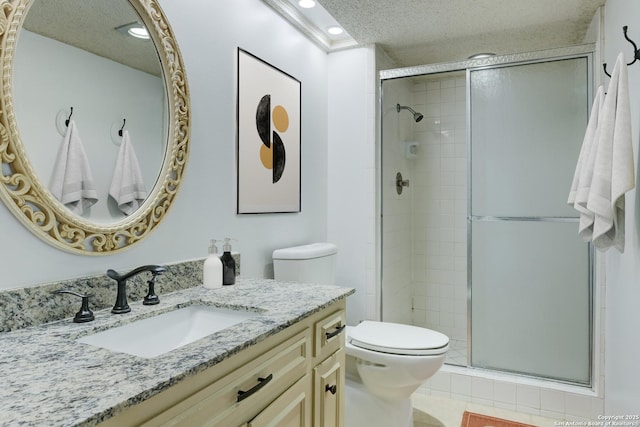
{"x":280,"y":118}
{"x":266,"y":156}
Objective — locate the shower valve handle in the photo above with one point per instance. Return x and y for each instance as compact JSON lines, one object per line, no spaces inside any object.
{"x":400,"y":183}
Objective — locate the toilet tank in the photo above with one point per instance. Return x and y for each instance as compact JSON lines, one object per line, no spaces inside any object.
{"x":313,"y":263}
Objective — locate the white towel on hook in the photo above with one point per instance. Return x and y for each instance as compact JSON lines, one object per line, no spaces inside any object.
{"x":613,"y":172}
{"x":583,"y":175}
{"x":72,"y":182}
{"x":127,"y":185}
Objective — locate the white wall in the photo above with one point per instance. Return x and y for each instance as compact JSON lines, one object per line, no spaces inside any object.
{"x":208,"y":34}
{"x":622,"y":323}
{"x":351,"y":195}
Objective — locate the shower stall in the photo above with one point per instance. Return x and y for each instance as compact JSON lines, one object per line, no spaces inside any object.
{"x":477,"y":240}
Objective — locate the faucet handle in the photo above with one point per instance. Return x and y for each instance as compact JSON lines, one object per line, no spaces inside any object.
{"x":84,"y":314}
{"x":151,"y":298}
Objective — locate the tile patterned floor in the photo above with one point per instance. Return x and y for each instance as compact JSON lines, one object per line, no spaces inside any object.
{"x":432,"y":411}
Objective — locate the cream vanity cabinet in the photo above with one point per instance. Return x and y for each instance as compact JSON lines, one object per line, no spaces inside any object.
{"x":294,"y":378}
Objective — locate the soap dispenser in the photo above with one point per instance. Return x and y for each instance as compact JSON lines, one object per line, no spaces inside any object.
{"x":212,"y":269}
{"x":228,"y":264}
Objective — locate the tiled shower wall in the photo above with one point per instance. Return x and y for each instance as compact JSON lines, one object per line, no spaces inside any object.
{"x":396,"y":208}
{"x":439,"y":187}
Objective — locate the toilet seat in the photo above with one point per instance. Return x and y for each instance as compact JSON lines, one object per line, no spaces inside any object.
{"x":395,"y":338}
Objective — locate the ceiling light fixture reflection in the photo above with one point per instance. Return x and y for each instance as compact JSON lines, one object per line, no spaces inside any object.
{"x":482,"y":55}
{"x":140,"y":33}
{"x":134,"y":29}
{"x":335,"y":30}
{"x":306,"y":4}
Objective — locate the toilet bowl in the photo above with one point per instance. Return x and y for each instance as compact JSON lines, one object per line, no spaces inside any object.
{"x":386,"y":362}
{"x":393,"y":360}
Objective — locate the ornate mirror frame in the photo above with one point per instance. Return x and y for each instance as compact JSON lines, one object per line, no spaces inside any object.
{"x":33,"y":204}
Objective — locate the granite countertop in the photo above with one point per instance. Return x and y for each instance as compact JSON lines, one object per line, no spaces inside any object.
{"x":49,"y":379}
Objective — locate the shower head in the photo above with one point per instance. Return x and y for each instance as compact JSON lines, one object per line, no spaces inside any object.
{"x":416,"y":116}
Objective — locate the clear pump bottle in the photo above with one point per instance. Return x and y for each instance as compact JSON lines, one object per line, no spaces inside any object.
{"x":212,"y":269}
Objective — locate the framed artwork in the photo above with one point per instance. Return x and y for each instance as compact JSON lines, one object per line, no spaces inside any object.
{"x":268,"y":138}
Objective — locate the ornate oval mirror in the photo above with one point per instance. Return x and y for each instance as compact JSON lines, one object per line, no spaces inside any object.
{"x":137,"y":91}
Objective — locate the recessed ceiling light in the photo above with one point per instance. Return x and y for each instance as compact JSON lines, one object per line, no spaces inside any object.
{"x":335,"y":30}
{"x":307,"y":4}
{"x":134,"y":29}
{"x":482,"y":55}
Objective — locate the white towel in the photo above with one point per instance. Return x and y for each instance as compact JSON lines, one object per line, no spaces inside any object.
{"x":72,"y":182}
{"x":613,"y":172}
{"x":584,"y":170}
{"x":127,"y":185}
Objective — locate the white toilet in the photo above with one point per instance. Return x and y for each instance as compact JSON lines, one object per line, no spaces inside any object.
{"x":386,"y":362}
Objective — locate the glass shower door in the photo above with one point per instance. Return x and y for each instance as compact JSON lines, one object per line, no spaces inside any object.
{"x":529,"y":272}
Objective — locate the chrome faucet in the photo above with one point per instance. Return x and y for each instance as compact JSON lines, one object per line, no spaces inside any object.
{"x":121,"y":305}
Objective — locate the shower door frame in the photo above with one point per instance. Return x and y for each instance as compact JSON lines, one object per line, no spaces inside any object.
{"x":584,"y":51}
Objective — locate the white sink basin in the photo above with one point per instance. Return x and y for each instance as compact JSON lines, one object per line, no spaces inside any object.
{"x":160,"y":334}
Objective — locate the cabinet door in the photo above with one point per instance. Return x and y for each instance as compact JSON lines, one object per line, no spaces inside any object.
{"x":328,"y":387}
{"x":291,"y":409}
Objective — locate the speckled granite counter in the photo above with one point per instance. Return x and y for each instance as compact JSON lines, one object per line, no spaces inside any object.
{"x":50,"y":380}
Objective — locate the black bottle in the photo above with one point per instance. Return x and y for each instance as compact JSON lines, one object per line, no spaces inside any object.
{"x":228,"y":264}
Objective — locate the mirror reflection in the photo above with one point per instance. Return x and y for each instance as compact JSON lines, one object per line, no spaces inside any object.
{"x":70,"y":54}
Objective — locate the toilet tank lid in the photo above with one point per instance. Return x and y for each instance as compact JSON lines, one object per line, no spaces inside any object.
{"x":313,"y":250}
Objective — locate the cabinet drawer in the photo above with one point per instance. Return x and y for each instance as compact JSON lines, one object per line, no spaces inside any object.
{"x":329,"y":334}
{"x":245,"y":391}
{"x":292,"y":408}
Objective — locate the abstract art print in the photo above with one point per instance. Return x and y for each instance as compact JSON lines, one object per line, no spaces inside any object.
{"x":268,"y":138}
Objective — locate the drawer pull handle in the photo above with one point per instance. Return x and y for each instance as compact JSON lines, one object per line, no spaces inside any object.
{"x":336,"y":332}
{"x":331,"y":388}
{"x":261,"y":383}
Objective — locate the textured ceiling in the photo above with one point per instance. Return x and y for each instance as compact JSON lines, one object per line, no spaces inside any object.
{"x":90,"y":25}
{"x":417,"y":32}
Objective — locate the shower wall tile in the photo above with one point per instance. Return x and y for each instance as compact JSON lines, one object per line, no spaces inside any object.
{"x":433,"y":96}
{"x":432,"y":110}
{"x":441,"y":381}
{"x":440,"y":209}
{"x":528,"y":396}
{"x":448,"y":94}
{"x":433,"y":85}
{"x":482,"y":388}
{"x":552,"y":401}
{"x":396,"y":209}
{"x":419,"y":87}
{"x":578,"y":405}
{"x":504,"y":392}
{"x":475,"y":387}
{"x":447,"y":83}
{"x":461,"y":385}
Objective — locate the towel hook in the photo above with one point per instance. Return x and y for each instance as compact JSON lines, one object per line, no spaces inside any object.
{"x":636,"y":52}
{"x":124,"y":121}
{"x":66,"y":122}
